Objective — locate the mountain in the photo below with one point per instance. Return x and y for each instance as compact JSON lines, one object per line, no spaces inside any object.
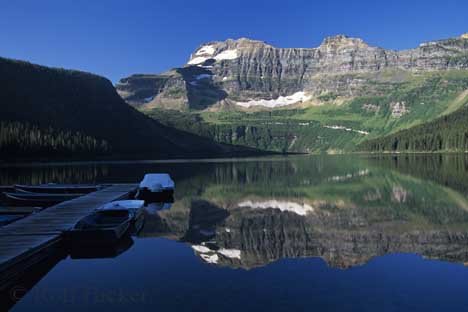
{"x":246,"y":73}
{"x":328,"y":98}
{"x":57,"y":113}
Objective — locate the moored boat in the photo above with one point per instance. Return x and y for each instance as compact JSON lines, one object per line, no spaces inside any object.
{"x":156,"y":187}
{"x":135,"y":209}
{"x":100,"y":228}
{"x":19,"y":210}
{"x":6,"y":188}
{"x":36,"y":199}
{"x":59,"y":188}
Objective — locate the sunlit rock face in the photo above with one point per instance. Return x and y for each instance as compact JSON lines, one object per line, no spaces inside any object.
{"x":245,"y":74}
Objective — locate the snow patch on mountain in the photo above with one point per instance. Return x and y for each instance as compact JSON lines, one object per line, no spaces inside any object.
{"x":201,"y":248}
{"x":230,"y":253}
{"x":347,"y":129}
{"x":227,"y":55}
{"x":208,"y":49}
{"x":278,"y":102}
{"x":210,"y":258}
{"x":299,"y":208}
{"x":208,"y":52}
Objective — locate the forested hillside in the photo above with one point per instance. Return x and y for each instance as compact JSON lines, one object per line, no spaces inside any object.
{"x":63,"y":113}
{"x":447,"y":133}
{"x":18,"y":138}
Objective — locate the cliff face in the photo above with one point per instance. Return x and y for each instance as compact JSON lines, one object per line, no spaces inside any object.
{"x":245,"y":73}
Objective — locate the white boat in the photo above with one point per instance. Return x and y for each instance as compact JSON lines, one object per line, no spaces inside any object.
{"x":156,"y":185}
{"x":157,"y":182}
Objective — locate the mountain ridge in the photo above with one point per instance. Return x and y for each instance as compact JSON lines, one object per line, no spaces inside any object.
{"x":330,"y":98}
{"x":246,"y":70}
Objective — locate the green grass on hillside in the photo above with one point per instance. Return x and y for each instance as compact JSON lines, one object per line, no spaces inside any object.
{"x":425,"y":97}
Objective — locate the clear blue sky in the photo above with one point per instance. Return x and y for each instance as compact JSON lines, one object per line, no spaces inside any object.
{"x":119,"y":38}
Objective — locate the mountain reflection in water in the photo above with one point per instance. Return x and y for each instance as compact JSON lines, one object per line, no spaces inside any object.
{"x":249,"y":213}
{"x":345,"y":211}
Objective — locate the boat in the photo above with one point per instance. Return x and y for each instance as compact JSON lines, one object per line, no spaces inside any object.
{"x":156,"y":187}
{"x":7,"y":188}
{"x":105,"y":227}
{"x":18,"y":210}
{"x":135,"y":209}
{"x":37,"y":199}
{"x":58,"y":188}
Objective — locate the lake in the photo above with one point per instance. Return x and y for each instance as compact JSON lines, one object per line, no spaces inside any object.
{"x":335,"y":233}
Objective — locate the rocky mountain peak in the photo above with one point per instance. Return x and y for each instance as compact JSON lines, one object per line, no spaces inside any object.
{"x":224,"y":50}
{"x":342,"y":41}
{"x":245,"y":73}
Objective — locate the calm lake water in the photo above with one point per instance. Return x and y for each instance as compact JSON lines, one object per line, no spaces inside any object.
{"x":343,"y":233}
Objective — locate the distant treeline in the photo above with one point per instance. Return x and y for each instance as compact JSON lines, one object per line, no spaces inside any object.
{"x":447,"y":133}
{"x":241,"y":131}
{"x":21,"y":139}
{"x":446,"y":169}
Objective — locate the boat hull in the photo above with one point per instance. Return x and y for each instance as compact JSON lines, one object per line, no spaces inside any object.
{"x":162,"y":196}
{"x":90,"y":233}
{"x":57,"y":189}
{"x":39,"y":200}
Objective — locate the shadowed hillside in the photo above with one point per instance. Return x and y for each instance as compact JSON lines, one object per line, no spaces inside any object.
{"x":57,"y":113}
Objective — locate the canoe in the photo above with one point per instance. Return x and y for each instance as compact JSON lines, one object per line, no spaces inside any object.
{"x":100,"y":228}
{"x":39,"y":200}
{"x":58,"y":188}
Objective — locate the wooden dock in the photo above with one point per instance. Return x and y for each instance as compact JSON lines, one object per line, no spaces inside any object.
{"x":23,"y":241}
